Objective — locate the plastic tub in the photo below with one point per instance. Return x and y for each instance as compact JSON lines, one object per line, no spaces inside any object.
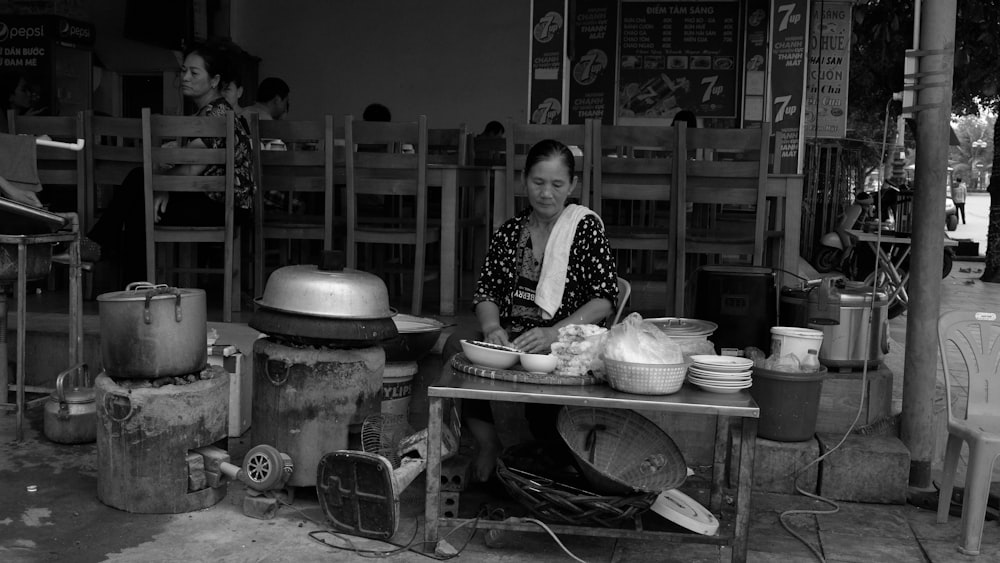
{"x":789,"y":403}
{"x":796,"y":341}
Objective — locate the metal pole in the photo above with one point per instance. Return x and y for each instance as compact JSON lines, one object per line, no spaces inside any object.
{"x":936,"y":58}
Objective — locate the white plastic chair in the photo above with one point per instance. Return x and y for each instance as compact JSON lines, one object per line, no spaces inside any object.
{"x":973,"y":339}
{"x":624,"y":291}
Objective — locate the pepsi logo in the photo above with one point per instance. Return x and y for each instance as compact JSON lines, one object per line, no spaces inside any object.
{"x":4,"y":31}
{"x":24,"y":32}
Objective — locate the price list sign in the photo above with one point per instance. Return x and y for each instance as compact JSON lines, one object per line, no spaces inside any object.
{"x":677,"y":56}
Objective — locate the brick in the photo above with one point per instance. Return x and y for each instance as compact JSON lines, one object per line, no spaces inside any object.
{"x":449,"y":504}
{"x":873,"y":469}
{"x":455,"y":473}
{"x":260,"y":507}
{"x":775,"y":464}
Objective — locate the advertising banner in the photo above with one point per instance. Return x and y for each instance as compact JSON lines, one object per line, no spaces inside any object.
{"x":593,"y":50}
{"x":25,"y":52}
{"x":789,"y":24}
{"x":548,"y":49}
{"x":829,"y":70}
{"x":755,"y":65}
{"x":678,"y":56}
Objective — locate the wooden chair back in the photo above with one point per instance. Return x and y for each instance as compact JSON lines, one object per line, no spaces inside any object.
{"x":57,"y":167}
{"x":520,"y":137}
{"x":303,"y":178}
{"x":732,"y":183}
{"x":159,"y":129}
{"x":113,"y":150}
{"x":448,"y":146}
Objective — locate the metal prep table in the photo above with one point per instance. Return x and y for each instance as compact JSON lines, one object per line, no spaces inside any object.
{"x":689,"y":400}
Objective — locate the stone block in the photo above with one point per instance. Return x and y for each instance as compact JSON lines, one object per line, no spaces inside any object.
{"x":838,"y":402}
{"x":694,"y":435}
{"x":776,"y":463}
{"x":260,"y":507}
{"x":873,"y":469}
{"x":449,"y":504}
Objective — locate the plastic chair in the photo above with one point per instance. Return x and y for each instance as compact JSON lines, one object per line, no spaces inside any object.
{"x":624,"y":291}
{"x":974,"y":340}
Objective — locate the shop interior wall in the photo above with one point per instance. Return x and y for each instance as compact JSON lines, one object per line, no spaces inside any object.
{"x":453,"y":60}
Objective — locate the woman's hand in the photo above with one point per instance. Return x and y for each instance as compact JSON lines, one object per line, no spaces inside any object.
{"x":537,"y":340}
{"x":497,"y":336}
{"x":160,"y":201}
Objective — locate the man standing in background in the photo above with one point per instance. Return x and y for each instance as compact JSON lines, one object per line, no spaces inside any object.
{"x":958,"y":193}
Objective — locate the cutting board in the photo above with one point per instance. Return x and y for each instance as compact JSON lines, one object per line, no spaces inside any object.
{"x":462,"y":364}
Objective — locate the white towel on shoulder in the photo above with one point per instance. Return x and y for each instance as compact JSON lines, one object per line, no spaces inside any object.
{"x":555,"y":264}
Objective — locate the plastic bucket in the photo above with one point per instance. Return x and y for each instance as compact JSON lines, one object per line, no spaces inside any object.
{"x":397,"y":387}
{"x":796,"y":341}
{"x":789,"y":403}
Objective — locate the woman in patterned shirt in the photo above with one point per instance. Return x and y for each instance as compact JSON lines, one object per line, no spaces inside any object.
{"x":504,"y":301}
{"x":120,"y":231}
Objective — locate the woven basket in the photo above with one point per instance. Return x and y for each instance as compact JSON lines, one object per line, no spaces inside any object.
{"x":645,"y":379}
{"x":621,"y":451}
{"x":557,"y":503}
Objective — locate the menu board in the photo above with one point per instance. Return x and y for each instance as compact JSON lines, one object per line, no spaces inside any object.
{"x":592,"y":70}
{"x":789,"y":23}
{"x":677,"y":56}
{"x":829,"y":70}
{"x":548,"y":32}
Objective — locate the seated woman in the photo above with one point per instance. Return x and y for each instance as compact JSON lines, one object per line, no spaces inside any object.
{"x":548,"y":267}
{"x":120,"y":231}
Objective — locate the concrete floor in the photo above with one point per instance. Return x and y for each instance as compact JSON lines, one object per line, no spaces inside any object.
{"x":62,"y":520}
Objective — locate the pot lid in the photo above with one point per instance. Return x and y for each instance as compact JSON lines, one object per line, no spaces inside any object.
{"x":408,"y":324}
{"x":138,"y":291}
{"x":76,"y":395}
{"x":328,"y":291}
{"x":679,"y":326}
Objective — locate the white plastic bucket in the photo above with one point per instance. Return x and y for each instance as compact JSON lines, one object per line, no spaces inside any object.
{"x":796,"y":341}
{"x":397,"y":387}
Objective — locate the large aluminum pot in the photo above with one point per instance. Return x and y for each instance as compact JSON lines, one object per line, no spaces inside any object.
{"x":150,"y":331}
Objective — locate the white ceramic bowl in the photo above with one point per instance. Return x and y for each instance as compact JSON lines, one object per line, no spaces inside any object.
{"x":488,"y":356}
{"x":538,"y":363}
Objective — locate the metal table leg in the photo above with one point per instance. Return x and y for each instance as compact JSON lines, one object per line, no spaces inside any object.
{"x":722,"y":424}
{"x":432,"y":500}
{"x":748,"y":443}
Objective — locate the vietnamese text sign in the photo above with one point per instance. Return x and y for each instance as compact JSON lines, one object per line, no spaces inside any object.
{"x":548,"y":32}
{"x":789,"y":23}
{"x":829,"y":70}
{"x":677,"y":56}
{"x":592,"y":71}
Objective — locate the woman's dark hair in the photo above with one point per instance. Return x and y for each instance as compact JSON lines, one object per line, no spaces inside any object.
{"x":271,"y":87}
{"x":546,"y":149}
{"x":220,"y":59}
{"x":376,"y":112}
{"x":686,"y":116}
{"x":493,"y":129}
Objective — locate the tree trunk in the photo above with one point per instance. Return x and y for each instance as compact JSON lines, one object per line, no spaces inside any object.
{"x":991,"y":272}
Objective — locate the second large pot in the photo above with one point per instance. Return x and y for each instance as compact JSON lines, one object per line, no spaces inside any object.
{"x":151,"y":331}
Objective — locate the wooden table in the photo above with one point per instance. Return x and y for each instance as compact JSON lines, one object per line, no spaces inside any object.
{"x":452,"y":178}
{"x":689,"y":400}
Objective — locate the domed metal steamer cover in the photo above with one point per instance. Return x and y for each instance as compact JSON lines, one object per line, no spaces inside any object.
{"x":326,"y":302}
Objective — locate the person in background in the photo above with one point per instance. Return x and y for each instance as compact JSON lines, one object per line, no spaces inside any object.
{"x":16,"y":94}
{"x":272,"y":99}
{"x":687,"y":117}
{"x":493,"y":130}
{"x":376,"y":112}
{"x":958,"y":194}
{"x":120,"y":232}
{"x":514,"y":302}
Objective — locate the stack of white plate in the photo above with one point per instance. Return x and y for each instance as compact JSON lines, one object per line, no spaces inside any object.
{"x":720,"y":374}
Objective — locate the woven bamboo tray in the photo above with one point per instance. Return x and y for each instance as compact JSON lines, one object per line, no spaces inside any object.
{"x":462,"y":364}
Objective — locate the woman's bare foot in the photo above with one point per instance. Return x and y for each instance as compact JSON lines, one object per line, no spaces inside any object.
{"x":489,"y":448}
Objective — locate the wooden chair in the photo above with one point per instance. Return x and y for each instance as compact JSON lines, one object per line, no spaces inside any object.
{"x":448,"y":146}
{"x":635,"y":171}
{"x":301,"y":176}
{"x":389,"y":175}
{"x":728,"y":196}
{"x":519,"y":139}
{"x":159,"y":128}
{"x":113,"y":149}
{"x":58,"y":168}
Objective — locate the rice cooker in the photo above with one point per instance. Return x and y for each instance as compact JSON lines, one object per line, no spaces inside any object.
{"x":855,"y":332}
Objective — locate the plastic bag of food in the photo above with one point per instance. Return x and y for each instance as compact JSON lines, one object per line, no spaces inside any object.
{"x":638,"y":341}
{"x":579,"y":350}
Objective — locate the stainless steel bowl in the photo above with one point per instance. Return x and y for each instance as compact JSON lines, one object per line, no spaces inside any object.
{"x":330,"y":293}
